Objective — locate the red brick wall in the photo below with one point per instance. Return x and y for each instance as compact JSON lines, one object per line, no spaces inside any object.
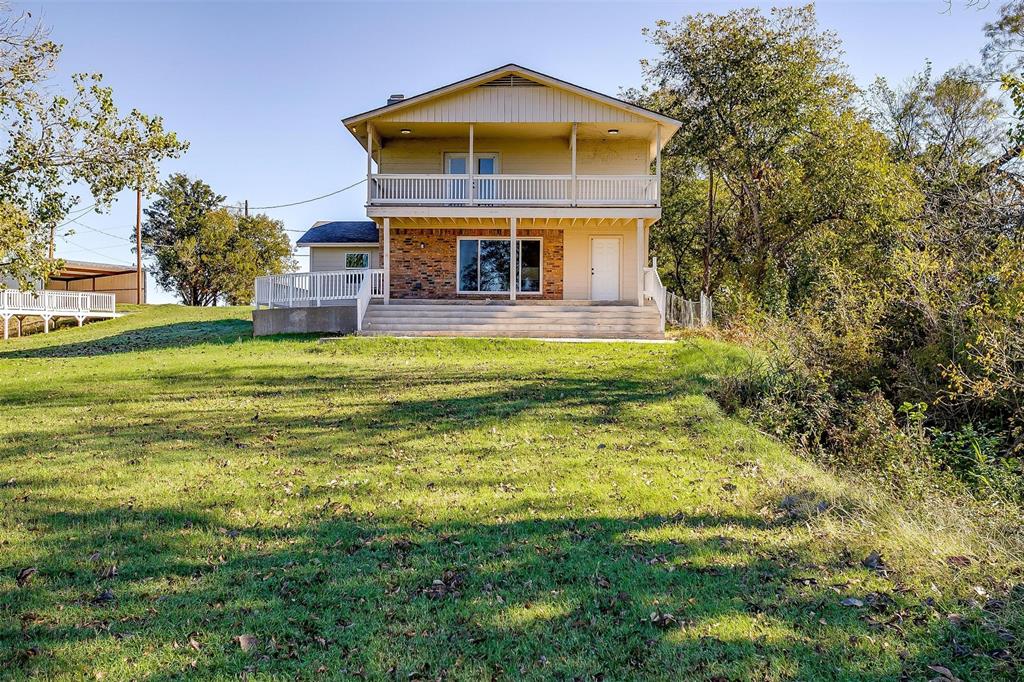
{"x":423,"y":262}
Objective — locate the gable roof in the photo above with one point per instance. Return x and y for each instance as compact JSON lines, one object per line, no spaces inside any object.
{"x":341,"y":232}
{"x":510,"y":69}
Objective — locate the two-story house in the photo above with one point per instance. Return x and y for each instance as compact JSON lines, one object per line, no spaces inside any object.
{"x":510,"y":203}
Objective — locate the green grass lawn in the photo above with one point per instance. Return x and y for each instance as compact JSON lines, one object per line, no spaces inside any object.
{"x":444,"y":509}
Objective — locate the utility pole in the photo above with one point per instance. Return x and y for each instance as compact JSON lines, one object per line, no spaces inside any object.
{"x":246,"y":208}
{"x":138,"y":246}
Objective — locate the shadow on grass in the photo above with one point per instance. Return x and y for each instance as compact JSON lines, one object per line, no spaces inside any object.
{"x":350,"y":596}
{"x":346,"y":413}
{"x":174,"y":335}
{"x":533,"y":587}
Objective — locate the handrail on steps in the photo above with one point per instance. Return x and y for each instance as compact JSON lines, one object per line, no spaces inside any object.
{"x":654,"y":289}
{"x":362,"y":301}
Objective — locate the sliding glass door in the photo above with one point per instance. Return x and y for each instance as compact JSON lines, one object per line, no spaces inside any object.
{"x":484,"y":265}
{"x":486,"y":164}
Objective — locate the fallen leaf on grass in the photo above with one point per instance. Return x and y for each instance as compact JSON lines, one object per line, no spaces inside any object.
{"x":247,"y":642}
{"x":944,"y":673}
{"x":850,"y":601}
{"x":25,"y":574}
{"x":958,"y":561}
{"x":873,"y":561}
{"x":663,"y":620}
{"x":449,"y":585}
{"x":104,"y":597}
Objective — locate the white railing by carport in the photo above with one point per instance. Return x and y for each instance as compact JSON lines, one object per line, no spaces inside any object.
{"x":80,"y":305}
{"x":317,"y":289}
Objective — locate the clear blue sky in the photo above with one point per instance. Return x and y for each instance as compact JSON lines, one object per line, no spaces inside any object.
{"x":258,"y":89}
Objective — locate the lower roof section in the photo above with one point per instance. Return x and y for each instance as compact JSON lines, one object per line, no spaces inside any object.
{"x":80,"y":269}
{"x":350,"y":232}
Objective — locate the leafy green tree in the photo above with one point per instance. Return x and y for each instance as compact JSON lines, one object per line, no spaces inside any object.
{"x":258,"y":245}
{"x":773,"y":154}
{"x":54,"y":140}
{"x":206,"y":253}
{"x":173,"y":237}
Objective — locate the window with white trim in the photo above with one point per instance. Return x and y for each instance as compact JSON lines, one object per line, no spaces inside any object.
{"x":484,"y":264}
{"x":359,"y":260}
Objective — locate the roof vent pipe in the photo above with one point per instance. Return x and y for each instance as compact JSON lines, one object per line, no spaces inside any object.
{"x":395,"y":98}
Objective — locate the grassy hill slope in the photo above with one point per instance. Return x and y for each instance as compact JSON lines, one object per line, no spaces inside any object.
{"x":197,"y":502}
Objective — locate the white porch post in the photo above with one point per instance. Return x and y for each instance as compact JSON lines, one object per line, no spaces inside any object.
{"x":572,"y":147}
{"x":513,"y":280}
{"x":369,"y":162}
{"x":387,"y":261}
{"x":641,"y":259}
{"x":470,"y":167}
{"x":657,"y":165}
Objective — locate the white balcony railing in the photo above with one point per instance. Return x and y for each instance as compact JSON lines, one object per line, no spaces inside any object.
{"x":527,"y":190}
{"x":312,"y":289}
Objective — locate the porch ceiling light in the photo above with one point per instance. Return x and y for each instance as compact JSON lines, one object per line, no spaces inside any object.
{"x":405,"y":131}
{"x":613,"y":131}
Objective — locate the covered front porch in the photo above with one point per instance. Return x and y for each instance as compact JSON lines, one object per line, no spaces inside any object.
{"x":577,"y":274}
{"x":514,"y":257}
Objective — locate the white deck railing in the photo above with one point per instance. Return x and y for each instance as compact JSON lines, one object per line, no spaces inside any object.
{"x":312,"y":289}
{"x":55,"y":303}
{"x":654,"y":289}
{"x":530,"y":190}
{"x":48,"y":305}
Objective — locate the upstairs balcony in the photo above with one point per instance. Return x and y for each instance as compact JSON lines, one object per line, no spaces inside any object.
{"x":513,"y":165}
{"x":432,"y":189}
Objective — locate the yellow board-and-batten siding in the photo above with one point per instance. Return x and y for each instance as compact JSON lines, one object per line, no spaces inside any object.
{"x":520,"y":156}
{"x":518,"y":104}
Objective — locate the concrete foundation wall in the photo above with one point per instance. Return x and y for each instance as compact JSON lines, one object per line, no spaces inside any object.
{"x":328,"y":319}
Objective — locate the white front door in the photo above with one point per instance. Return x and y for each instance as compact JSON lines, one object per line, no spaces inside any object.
{"x":604,"y":269}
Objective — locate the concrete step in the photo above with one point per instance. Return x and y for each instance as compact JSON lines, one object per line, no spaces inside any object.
{"x":534,"y":333}
{"x":522,"y":302}
{"x":527,"y":320}
{"x":500,"y":328}
{"x":556,"y":320}
{"x":528,"y":310}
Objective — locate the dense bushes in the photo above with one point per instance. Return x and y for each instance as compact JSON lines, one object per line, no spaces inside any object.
{"x":831,"y":401}
{"x":871,"y":242}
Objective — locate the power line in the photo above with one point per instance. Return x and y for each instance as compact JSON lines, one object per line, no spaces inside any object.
{"x":103,"y":255}
{"x":255,"y":208}
{"x":96,"y":229}
{"x":80,"y":214}
{"x":304,"y":201}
